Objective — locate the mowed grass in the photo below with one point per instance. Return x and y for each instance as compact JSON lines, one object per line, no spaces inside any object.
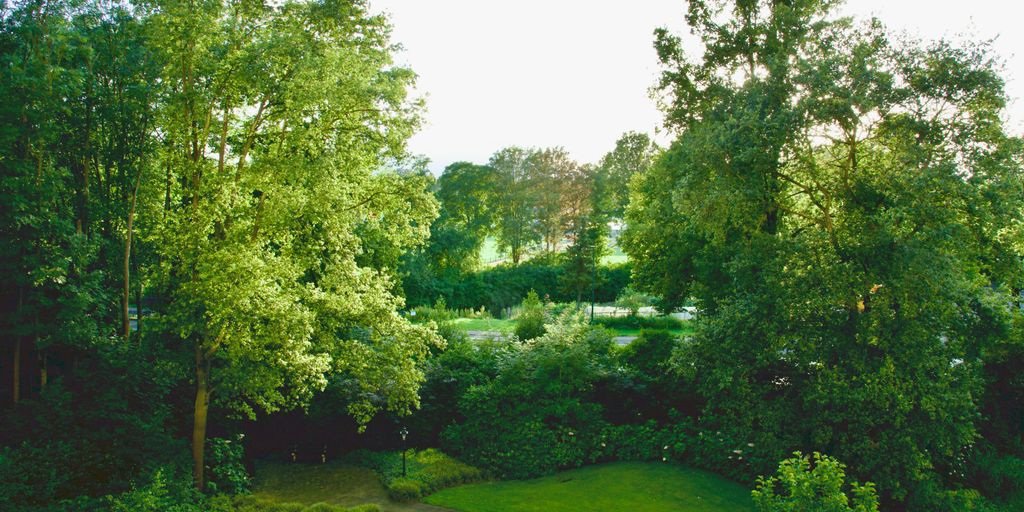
{"x":632,"y":486}
{"x":335,"y":483}
{"x":485,"y":324}
{"x":614,"y":259}
{"x":489,"y":251}
{"x":507,"y":326}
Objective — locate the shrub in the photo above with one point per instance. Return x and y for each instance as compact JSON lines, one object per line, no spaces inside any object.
{"x":369,"y":507}
{"x":531,"y":320}
{"x":431,"y":470}
{"x":649,"y":441}
{"x":288,"y":507}
{"x":997,"y":475}
{"x":812,"y":483}
{"x":540,"y":412}
{"x":632,"y":301}
{"x":163,"y":492}
{"x":503,"y":286}
{"x":405,"y":489}
{"x":249,"y":503}
{"x":639,"y":322}
{"x":650,"y":353}
{"x":227,"y":469}
{"x":438,"y":471}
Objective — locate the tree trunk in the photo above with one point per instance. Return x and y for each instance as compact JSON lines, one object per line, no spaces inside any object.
{"x":199,"y":417}
{"x":43,"y":375}
{"x":138,"y":294}
{"x":127,"y":325}
{"x":17,"y":371}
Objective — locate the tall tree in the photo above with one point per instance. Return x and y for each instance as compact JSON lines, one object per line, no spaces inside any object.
{"x":514,"y":201}
{"x":586,"y":228}
{"x":551,"y":174}
{"x":634,"y":153}
{"x":278,"y":120}
{"x":466,"y":192}
{"x":838,"y":206}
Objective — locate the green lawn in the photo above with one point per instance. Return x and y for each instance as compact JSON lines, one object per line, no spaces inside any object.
{"x":615,"y":254}
{"x":491,"y":324}
{"x":489,"y":251}
{"x":335,"y":483}
{"x":614,"y":259}
{"x":623,"y":486}
{"x":485,"y":324}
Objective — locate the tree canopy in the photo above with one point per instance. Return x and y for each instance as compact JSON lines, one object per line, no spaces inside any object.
{"x":841,"y":205}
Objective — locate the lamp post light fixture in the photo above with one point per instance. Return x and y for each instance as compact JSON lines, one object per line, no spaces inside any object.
{"x":404,"y":433}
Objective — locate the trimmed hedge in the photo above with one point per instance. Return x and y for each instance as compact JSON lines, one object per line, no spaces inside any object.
{"x":505,"y":285}
{"x":639,"y":322}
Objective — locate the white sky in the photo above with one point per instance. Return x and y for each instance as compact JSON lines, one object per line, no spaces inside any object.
{"x":575,"y":73}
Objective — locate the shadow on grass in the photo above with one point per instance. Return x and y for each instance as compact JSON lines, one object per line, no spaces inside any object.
{"x":334,"y":482}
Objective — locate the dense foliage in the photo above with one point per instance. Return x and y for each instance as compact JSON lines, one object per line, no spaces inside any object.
{"x":208,"y":219}
{"x":561,"y":400}
{"x":426,"y":471}
{"x":503,"y":286}
{"x":846,"y":212}
{"x":200,"y":219}
{"x":813,"y":483}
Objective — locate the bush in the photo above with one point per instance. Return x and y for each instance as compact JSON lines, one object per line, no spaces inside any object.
{"x":430,"y":470}
{"x":249,"y":503}
{"x":632,"y":300}
{"x":812,"y":483}
{"x":437,"y":471}
{"x":405,"y":489}
{"x":369,"y":507}
{"x":639,"y":322}
{"x":540,"y":413}
{"x":532,"y":317}
{"x":503,"y":286}
{"x":227,"y":469}
{"x":649,"y":441}
{"x":997,"y":475}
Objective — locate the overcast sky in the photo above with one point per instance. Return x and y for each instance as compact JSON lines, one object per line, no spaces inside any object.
{"x":575,"y":73}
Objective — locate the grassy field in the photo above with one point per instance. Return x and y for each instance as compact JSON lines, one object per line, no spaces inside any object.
{"x":334,"y":483}
{"x":489,"y":251}
{"x":615,"y":255}
{"x":485,"y":324}
{"x":633,"y":486}
{"x":491,"y":324}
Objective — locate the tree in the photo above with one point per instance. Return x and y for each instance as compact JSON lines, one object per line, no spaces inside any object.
{"x":466,"y":193}
{"x":277,"y":122}
{"x":634,"y":153}
{"x":553,"y":176}
{"x":586,"y":229}
{"x":532,"y":317}
{"x":834,"y":203}
{"x":514,"y":201}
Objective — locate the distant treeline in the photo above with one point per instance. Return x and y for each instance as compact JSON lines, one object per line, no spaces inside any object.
{"x":505,"y":285}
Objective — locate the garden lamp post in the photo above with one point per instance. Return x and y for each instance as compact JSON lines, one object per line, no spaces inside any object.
{"x":404,"y":433}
